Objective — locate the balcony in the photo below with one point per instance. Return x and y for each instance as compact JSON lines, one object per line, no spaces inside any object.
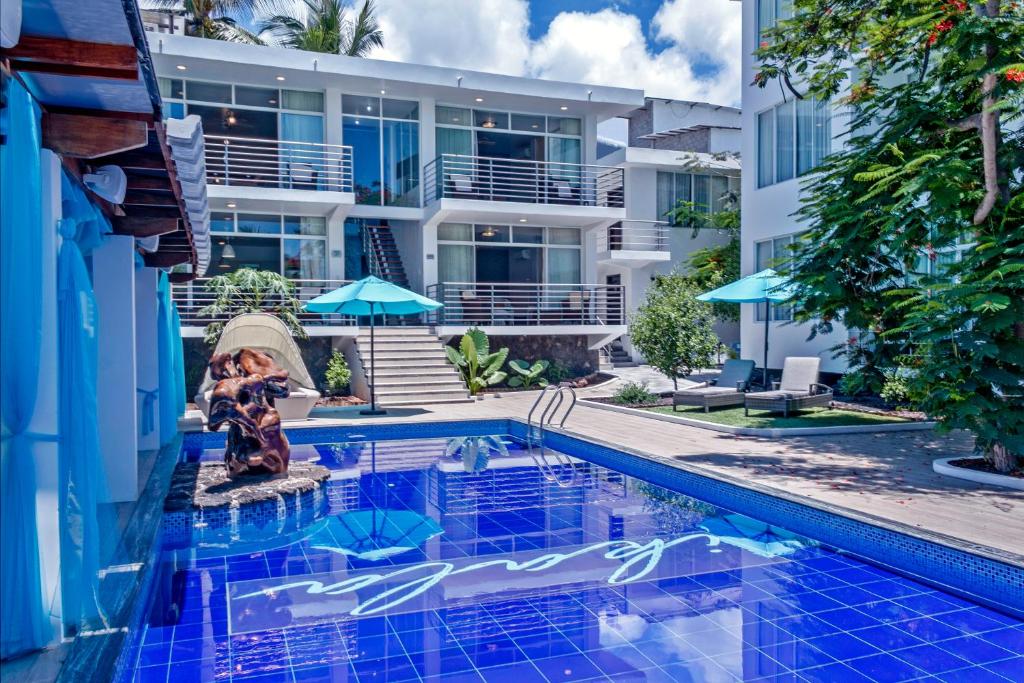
{"x":192,"y":297}
{"x":525,"y":309}
{"x":484,"y":189}
{"x":278,"y":175}
{"x":634,"y":243}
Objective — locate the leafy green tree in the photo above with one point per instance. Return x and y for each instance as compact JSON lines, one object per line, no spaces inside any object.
{"x":248,"y":290}
{"x":327,"y":27}
{"x":528,"y":375}
{"x":931,"y":166}
{"x":217,"y":19}
{"x":478,"y":366}
{"x":672,"y":329}
{"x":713,"y":266}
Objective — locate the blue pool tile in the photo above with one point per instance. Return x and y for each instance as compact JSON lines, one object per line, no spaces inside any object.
{"x":518,"y":673}
{"x":885,"y":668}
{"x":890,"y":589}
{"x":1012,"y":668}
{"x":848,"y":618}
{"x":932,"y":658}
{"x":928,"y":604}
{"x":969,"y":621}
{"x":927,"y":629}
{"x":274,"y":677}
{"x":567,"y":668}
{"x":808,"y":626}
{"x":975,"y":674}
{"x":975,"y":649}
{"x":1010,"y":638}
{"x":151,"y":674}
{"x":833,"y":673}
{"x":887,"y":611}
{"x":850,"y":595}
{"x":152,"y":655}
{"x":801,"y":655}
{"x":886,"y":637}
{"x":842,"y":646}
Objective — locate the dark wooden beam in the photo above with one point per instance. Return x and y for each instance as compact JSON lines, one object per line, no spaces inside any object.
{"x":179,"y":278}
{"x":88,"y":137}
{"x":149,"y":198}
{"x":148,"y":182}
{"x":137,"y":226}
{"x":137,"y":211}
{"x":74,"y":58}
{"x":147,"y":117}
{"x":166,"y":259}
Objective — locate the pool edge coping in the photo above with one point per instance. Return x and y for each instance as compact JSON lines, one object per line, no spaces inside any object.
{"x":768,"y":432}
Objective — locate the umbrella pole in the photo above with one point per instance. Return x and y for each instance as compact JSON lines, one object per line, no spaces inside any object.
{"x":373,"y":373}
{"x":767,"y":322}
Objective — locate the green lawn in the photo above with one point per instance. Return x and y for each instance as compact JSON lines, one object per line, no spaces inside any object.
{"x":817,"y":417}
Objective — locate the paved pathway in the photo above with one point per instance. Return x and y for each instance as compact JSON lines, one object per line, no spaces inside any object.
{"x":644,"y":374}
{"x":887,"y":475}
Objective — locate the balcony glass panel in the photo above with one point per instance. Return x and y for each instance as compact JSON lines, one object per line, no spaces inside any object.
{"x":243,"y":123}
{"x":359,"y":105}
{"x":805,"y":135}
{"x":784,"y":136}
{"x":524,"y":234}
{"x":172,"y":87}
{"x":250,"y":252}
{"x":455,"y":232}
{"x":492,"y":233}
{"x":528,"y":122}
{"x":208,"y":92}
{"x":719,"y":192}
{"x":509,"y":264}
{"x":454,"y":141}
{"x":257,"y":97}
{"x":363,"y":135}
{"x":455,"y":116}
{"x":305,"y":225}
{"x":564,"y":125}
{"x":305,"y":259}
{"x":400,"y":109}
{"x":357,"y":265}
{"x":259,"y":223}
{"x":564,"y":235}
{"x":564,"y":266}
{"x":490,"y":119}
{"x":302,"y":100}
{"x":222,"y":222}
{"x":455,"y":263}
{"x":401,"y":163}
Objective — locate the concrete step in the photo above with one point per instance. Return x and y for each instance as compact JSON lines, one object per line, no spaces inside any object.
{"x":423,"y":395}
{"x":391,"y":384}
{"x":382,"y":346}
{"x":419,"y":402}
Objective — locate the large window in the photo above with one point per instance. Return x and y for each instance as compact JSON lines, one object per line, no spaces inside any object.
{"x":508,"y":135}
{"x":385,"y":139}
{"x":508,"y":253}
{"x":769,"y":12}
{"x":708,"y":193}
{"x":775,"y":254}
{"x":792,"y":139}
{"x":295,"y":246}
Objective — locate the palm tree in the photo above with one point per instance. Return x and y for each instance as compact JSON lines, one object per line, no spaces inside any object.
{"x":327,"y":28}
{"x":216,"y":19}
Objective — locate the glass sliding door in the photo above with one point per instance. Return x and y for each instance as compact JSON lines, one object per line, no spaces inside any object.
{"x":303,"y":165}
{"x":363,"y":135}
{"x":401,"y":163}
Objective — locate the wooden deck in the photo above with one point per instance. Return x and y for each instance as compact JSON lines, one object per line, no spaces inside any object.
{"x":884,"y":475}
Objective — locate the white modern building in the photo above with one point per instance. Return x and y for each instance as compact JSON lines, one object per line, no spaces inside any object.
{"x":784,"y":138}
{"x":483,"y":191}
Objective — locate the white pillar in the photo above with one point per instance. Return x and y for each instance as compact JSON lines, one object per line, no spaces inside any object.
{"x":45,"y":417}
{"x":147,"y":362}
{"x":114,"y":286}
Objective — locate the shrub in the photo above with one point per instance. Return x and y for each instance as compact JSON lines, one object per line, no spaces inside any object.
{"x":895,"y":388}
{"x":558,"y":372}
{"x":478,"y":366}
{"x":338,"y":374}
{"x":528,"y":375}
{"x":635,"y":394}
{"x":855,"y":383}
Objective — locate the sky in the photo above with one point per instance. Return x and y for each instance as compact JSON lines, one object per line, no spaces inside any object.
{"x":680,"y":49}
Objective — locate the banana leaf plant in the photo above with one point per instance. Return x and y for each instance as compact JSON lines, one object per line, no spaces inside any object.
{"x":475,"y":451}
{"x":528,"y":375}
{"x":478,"y":366}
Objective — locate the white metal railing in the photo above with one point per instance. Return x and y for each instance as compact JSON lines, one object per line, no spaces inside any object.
{"x":253,"y":162}
{"x":634,"y":235}
{"x":505,"y":303}
{"x":457,"y":176}
{"x":192,"y":297}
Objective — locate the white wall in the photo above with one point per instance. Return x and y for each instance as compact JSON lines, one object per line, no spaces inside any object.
{"x":767,"y":213}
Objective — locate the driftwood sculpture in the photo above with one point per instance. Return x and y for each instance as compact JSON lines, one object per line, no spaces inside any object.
{"x":247,"y":384}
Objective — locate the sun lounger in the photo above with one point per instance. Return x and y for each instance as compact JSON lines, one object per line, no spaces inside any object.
{"x":798,"y":389}
{"x":727,"y":390}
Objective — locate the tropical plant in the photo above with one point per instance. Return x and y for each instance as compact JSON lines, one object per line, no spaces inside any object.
{"x":635,"y":394}
{"x":248,"y":290}
{"x":932,"y":164}
{"x":855,"y":382}
{"x":327,"y":27}
{"x":475,"y":451}
{"x":558,"y":372}
{"x":896,"y":387}
{"x":217,"y":19}
{"x":338,"y":373}
{"x":528,"y":375}
{"x":672,"y":329}
{"x":478,"y":366}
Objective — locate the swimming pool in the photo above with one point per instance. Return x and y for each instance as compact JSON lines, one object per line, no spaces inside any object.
{"x":435,"y":562}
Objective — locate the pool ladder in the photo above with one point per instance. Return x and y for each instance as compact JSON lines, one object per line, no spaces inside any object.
{"x":535,"y":433}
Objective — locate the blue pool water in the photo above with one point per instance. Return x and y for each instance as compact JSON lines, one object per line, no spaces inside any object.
{"x":435,"y":563}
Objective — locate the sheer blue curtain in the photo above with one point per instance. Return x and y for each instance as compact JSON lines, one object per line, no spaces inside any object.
{"x":85,"y":526}
{"x":306,"y":163}
{"x":168,"y":347}
{"x":22,"y":608}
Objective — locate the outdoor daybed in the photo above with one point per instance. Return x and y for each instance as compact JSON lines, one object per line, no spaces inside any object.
{"x":266,"y":333}
{"x":799,"y":389}
{"x":727,"y":390}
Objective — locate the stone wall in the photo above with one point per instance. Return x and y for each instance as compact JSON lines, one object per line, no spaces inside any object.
{"x":691,"y":141}
{"x":570,"y":350}
{"x":316,"y":352}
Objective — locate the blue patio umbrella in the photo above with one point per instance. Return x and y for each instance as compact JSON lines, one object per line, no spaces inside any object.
{"x":375,"y":534}
{"x":763,"y":540}
{"x":764,"y":287}
{"x":371,"y":296}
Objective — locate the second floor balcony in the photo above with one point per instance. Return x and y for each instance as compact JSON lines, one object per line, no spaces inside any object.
{"x":478,"y":188}
{"x":634,"y":243}
{"x":263,"y":170}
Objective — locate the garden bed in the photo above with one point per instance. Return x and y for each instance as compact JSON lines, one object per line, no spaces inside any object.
{"x":591,"y":380}
{"x":979,"y":471}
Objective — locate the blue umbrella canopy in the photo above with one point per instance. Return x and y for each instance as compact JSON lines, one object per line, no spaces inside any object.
{"x":753,"y":536}
{"x":371,"y":296}
{"x":375,"y":534}
{"x":766,"y":285}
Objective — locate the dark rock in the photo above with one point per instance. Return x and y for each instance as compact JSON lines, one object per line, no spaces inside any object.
{"x":205,"y":486}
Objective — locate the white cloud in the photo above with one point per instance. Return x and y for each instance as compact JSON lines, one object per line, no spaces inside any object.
{"x":698,"y":56}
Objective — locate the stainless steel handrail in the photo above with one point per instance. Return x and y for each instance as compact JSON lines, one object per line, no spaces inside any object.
{"x":535,"y":434}
{"x":192,"y":297}
{"x":634,"y":235}
{"x":290,"y":164}
{"x":528,"y":304}
{"x":460,"y":176}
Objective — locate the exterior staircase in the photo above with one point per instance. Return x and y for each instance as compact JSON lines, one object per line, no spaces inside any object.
{"x":412,"y":367}
{"x":385,"y":260}
{"x":619,"y":357}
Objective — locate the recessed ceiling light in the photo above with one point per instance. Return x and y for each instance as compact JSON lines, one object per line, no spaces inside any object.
{"x":564,"y":108}
{"x":382,"y":91}
{"x":280,"y":78}
{"x":181,"y":67}
{"x":232,"y":205}
{"x":522,"y":220}
{"x":479,"y":99}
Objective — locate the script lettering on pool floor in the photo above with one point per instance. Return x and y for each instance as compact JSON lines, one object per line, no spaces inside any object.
{"x":255,"y":605}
